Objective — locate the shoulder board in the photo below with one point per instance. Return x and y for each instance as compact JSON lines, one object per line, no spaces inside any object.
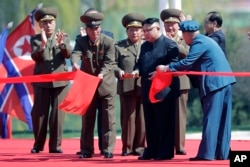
{"x":120,"y":42}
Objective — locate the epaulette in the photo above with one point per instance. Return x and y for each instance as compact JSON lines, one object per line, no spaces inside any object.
{"x":121,"y":41}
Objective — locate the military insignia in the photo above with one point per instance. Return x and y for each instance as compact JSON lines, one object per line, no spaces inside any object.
{"x":101,"y":52}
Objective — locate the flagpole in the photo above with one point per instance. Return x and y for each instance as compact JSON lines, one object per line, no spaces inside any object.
{"x":176,"y":4}
{"x":163,"y":4}
{"x":6,"y":125}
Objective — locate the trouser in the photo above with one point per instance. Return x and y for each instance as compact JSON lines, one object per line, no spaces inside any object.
{"x":108,"y":124}
{"x":45,"y":109}
{"x":216,"y":131}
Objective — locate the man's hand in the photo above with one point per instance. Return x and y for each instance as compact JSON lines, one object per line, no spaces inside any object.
{"x":100,"y":76}
{"x":121,"y":74}
{"x":152,"y":75}
{"x":162,"y":68}
{"x":82,"y":31}
{"x":183,"y":18}
{"x":135,"y":74}
{"x":59,"y":37}
{"x":44,"y":39}
{"x":75,"y":67}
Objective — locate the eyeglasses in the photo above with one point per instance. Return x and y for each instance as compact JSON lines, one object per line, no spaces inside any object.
{"x":148,"y":30}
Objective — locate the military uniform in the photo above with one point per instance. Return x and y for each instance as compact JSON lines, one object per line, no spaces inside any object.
{"x":47,"y":95}
{"x":97,"y":58}
{"x":129,"y":90}
{"x":172,"y":15}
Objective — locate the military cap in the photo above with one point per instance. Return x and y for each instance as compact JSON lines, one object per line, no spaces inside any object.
{"x":133,"y":20}
{"x":170,"y":15}
{"x":92,"y":19}
{"x":151,"y":20}
{"x":48,"y":13}
{"x":189,"y":26}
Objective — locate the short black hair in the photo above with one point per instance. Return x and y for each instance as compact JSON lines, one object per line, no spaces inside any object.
{"x":90,"y":10}
{"x":215,"y":16}
{"x":151,"y":20}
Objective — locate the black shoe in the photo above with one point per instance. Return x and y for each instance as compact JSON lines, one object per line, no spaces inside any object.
{"x":108,"y":155}
{"x":198,"y":159}
{"x":34,"y":150}
{"x":162,"y":158}
{"x":181,"y":152}
{"x":85,"y":155}
{"x":102,"y":152}
{"x":56,"y":151}
{"x":78,"y":153}
{"x":144,"y":158}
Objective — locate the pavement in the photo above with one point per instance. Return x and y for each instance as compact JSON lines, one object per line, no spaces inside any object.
{"x":235,"y":135}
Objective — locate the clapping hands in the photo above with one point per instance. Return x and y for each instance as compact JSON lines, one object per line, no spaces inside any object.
{"x":59,"y":37}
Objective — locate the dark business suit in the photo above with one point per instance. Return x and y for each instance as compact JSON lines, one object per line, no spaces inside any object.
{"x":129,"y":90}
{"x":47,"y":95}
{"x":219,"y":37}
{"x":159,"y":117}
{"x":215,"y":93}
{"x":98,"y":59}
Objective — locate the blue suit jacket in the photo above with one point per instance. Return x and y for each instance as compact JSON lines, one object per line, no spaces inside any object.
{"x":206,"y":55}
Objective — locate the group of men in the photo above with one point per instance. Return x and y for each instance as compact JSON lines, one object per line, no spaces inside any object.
{"x":150,"y":130}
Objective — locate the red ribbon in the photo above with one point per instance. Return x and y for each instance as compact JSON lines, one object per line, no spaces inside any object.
{"x":236,"y":74}
{"x":40,"y":78}
{"x":71,"y":75}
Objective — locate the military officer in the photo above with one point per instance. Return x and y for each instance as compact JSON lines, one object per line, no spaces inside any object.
{"x":97,"y":53}
{"x":49,"y":49}
{"x":129,"y":89}
{"x":171,"y":19}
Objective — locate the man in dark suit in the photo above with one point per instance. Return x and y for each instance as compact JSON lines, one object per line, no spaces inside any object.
{"x":160,"y":116}
{"x":49,"y":51}
{"x":213,"y":22}
{"x":129,"y":89}
{"x":97,"y":53}
{"x":205,"y":55}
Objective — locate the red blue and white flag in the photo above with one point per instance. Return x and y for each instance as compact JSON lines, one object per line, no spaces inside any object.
{"x":17,"y":99}
{"x":4,"y":119}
